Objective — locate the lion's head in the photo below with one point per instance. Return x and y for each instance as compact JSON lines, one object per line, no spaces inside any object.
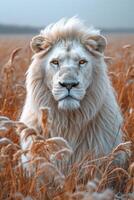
{"x":68,"y":52}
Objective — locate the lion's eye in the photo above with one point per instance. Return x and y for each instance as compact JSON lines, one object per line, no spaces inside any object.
{"x":82,"y":62}
{"x":55,"y":62}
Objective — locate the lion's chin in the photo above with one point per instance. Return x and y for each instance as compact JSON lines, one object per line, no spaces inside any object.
{"x":68,"y":104}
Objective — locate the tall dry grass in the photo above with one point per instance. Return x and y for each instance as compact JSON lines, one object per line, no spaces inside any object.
{"x":87,"y":180}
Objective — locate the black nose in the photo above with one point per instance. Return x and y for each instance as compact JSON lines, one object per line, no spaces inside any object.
{"x":69,"y":85}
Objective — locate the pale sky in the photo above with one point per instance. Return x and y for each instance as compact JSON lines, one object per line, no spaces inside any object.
{"x":99,"y":13}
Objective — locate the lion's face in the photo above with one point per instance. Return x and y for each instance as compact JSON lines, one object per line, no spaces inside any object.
{"x":68,"y":73}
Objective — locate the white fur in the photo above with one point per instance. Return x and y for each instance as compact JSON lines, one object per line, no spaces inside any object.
{"x":91,"y":123}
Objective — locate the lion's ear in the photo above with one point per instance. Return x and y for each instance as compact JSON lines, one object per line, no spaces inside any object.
{"x":98,"y":43}
{"x":38,"y":44}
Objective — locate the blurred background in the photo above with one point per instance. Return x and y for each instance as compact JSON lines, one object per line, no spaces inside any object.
{"x":30,"y":16}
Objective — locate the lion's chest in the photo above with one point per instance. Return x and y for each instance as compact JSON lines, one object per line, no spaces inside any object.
{"x":74,"y":133}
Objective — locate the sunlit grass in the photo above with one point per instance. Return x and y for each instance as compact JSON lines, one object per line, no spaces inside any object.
{"x":87,"y":180}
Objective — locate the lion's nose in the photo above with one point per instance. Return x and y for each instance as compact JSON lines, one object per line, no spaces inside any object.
{"x":69,"y":85}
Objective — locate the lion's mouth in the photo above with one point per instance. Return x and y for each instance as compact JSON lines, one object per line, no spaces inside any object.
{"x":68,"y":97}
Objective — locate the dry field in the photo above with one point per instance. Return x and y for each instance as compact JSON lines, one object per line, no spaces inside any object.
{"x":48,"y":182}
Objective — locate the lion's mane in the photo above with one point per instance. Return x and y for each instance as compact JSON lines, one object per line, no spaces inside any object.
{"x":95,"y":126}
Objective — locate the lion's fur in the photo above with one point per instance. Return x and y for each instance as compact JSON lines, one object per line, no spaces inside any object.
{"x":95,"y":126}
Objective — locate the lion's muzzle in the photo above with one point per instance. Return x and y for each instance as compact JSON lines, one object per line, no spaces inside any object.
{"x":67,"y":88}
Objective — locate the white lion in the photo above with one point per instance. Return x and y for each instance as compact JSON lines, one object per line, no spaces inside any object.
{"x":68,"y":74}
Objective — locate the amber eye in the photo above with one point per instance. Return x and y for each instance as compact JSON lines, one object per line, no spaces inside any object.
{"x":55,"y":62}
{"x":82,"y":62}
